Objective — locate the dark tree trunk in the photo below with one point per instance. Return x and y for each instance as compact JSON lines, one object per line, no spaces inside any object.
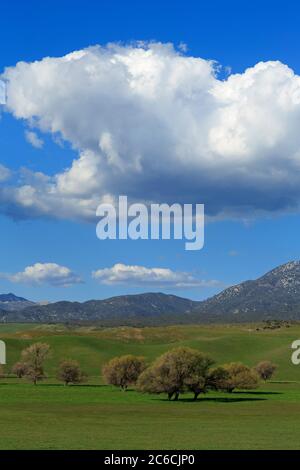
{"x":170,"y":395}
{"x":176,"y":396}
{"x":196,"y":394}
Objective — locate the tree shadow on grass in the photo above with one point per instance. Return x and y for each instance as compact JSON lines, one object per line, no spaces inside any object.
{"x":229,"y":399}
{"x":53,"y":385}
{"x":256,"y":393}
{"x":217,"y":399}
{"x":284,"y":382}
{"x":74,"y":385}
{"x":89,"y":385}
{"x":106,"y":387}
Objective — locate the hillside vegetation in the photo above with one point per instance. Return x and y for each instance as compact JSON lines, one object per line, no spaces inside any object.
{"x":93,"y":346}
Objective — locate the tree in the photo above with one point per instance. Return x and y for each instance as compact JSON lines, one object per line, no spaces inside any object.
{"x":69,"y":372}
{"x":123,"y":371}
{"x":239,"y":376}
{"x":265,"y":370}
{"x":20,"y":369}
{"x":197,"y":377}
{"x":34,"y":357}
{"x":176,"y":371}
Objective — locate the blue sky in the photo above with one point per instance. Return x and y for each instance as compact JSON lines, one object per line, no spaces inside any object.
{"x":237,"y":35}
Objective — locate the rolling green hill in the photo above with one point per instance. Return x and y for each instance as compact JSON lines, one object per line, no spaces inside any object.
{"x":93,"y":346}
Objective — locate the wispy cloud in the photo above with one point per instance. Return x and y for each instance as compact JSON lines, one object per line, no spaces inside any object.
{"x":5,"y":173}
{"x":34,"y":139}
{"x":233,"y":253}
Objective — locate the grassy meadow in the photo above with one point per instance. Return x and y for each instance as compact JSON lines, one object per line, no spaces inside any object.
{"x":95,"y":416}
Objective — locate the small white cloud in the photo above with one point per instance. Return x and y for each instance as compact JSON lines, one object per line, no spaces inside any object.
{"x":46,"y":273}
{"x":5,"y":173}
{"x":34,"y":139}
{"x":140,"y":276}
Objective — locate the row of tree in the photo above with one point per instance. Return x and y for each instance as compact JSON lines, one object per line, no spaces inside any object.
{"x":177,"y":371}
{"x":32,"y":361}
{"x":181,"y":370}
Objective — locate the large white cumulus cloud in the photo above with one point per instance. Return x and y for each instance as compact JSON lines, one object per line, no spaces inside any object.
{"x":157,"y":125}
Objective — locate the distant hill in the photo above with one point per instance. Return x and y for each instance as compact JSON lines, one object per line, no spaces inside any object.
{"x":146,"y":308}
{"x":11,"y":302}
{"x":276,"y":295}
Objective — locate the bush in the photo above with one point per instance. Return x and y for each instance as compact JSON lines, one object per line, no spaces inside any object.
{"x":239,"y":376}
{"x":266,"y":370}
{"x":69,"y":372}
{"x":217,"y":377}
{"x":20,"y":369}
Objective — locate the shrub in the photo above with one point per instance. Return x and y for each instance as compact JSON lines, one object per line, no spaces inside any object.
{"x":20,"y":369}
{"x":265,"y":370}
{"x":239,"y":376}
{"x":69,"y":372}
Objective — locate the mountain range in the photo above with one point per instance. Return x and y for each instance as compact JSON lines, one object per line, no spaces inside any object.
{"x":273,"y":296}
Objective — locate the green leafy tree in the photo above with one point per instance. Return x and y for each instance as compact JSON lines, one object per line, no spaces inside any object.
{"x":123,"y":371}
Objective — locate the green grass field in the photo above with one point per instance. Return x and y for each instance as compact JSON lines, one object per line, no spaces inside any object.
{"x":93,"y":416}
